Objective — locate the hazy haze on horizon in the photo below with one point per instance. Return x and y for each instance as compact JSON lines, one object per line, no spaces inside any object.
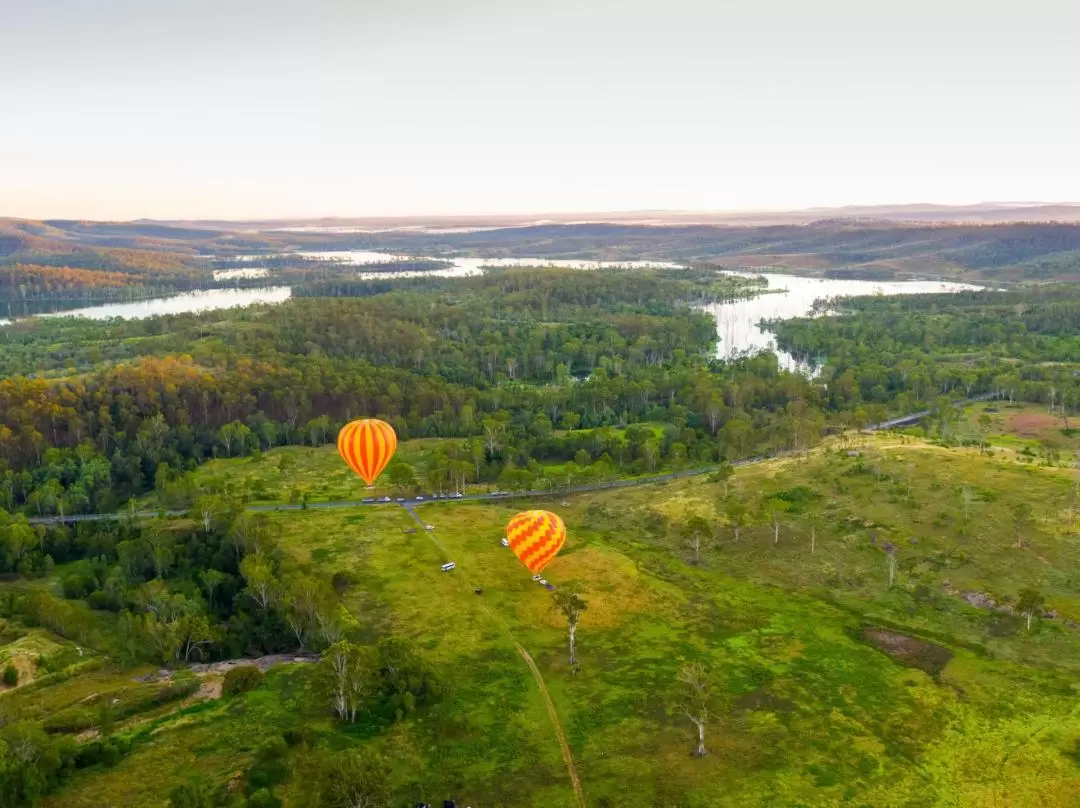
{"x":242,"y":109}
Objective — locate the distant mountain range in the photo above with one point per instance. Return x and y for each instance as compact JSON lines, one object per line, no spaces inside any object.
{"x":982,"y":213}
{"x":992,"y":241}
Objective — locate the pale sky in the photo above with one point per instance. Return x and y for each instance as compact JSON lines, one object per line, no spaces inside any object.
{"x":118,"y":109}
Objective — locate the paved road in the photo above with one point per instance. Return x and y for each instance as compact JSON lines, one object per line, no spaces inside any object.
{"x":502,"y":495}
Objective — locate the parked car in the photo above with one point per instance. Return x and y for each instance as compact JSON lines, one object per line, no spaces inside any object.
{"x":429,"y":527}
{"x":449,"y":565}
{"x":386,"y":499}
{"x":536,"y":577}
{"x":419,"y":497}
{"x":505,"y":543}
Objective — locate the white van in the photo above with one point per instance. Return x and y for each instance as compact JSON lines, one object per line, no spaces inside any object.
{"x":449,"y":565}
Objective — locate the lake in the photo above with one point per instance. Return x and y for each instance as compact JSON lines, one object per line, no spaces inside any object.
{"x":737,"y":322}
{"x":198,"y":300}
{"x":465,"y":267}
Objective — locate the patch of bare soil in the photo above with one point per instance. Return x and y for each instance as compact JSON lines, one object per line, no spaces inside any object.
{"x":1033,"y":424}
{"x":915,"y":653}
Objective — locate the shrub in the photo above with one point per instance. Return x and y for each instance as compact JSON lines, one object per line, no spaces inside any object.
{"x":100,"y":750}
{"x":11,"y":675}
{"x":241,"y":679}
{"x":269,"y":767}
{"x":342,"y":580}
{"x":299,"y":736}
{"x":263,"y":799}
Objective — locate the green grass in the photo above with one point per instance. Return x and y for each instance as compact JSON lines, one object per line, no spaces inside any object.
{"x":283,"y":474}
{"x":810,"y":713}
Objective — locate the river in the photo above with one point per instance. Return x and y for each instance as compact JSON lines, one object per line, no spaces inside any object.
{"x":737,"y":322}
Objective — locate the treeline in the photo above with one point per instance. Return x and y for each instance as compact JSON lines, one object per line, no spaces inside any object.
{"x":26,"y":281}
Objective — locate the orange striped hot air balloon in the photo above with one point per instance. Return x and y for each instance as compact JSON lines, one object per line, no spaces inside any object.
{"x":535,"y":537}
{"x":367,"y":446}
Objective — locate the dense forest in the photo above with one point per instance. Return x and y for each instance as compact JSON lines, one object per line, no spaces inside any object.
{"x":1022,"y":343}
{"x":521,"y":355}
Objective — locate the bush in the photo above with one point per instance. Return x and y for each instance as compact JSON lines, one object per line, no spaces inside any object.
{"x":342,"y":580}
{"x":299,"y":736}
{"x":105,"y":751}
{"x":269,"y":767}
{"x":241,"y":679}
{"x":263,"y":799}
{"x":11,"y":675}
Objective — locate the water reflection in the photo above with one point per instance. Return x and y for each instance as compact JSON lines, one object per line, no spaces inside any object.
{"x":465,"y":267}
{"x":737,"y":322}
{"x":199,"y":300}
{"x":240,"y":274}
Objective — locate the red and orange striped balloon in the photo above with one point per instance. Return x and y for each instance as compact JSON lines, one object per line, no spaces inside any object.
{"x":535,"y":537}
{"x":367,"y":446}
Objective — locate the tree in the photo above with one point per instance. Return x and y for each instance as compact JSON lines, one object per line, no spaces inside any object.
{"x":347,"y":671}
{"x":402,"y":476}
{"x":310,"y":608}
{"x":724,"y":475}
{"x":1022,"y":517}
{"x":696,"y":701}
{"x":262,"y":584}
{"x":696,"y":530}
{"x":1030,"y":603}
{"x":890,"y":561}
{"x":355,"y":778}
{"x":571,"y":606}
{"x":211,"y":579}
{"x":194,"y":632}
{"x":738,"y":515}
{"x":775,"y":509}
{"x":11,"y":675}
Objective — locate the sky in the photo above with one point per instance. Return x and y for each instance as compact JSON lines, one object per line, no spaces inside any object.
{"x":122,"y":109}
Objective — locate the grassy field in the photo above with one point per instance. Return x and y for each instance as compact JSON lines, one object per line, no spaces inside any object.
{"x":284,"y":474}
{"x":833,"y":687}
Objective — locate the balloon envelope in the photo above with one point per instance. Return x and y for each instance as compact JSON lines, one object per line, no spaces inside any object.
{"x":535,"y":537}
{"x":367,"y":446}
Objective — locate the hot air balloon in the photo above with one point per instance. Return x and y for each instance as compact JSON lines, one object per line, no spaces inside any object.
{"x":535,"y":537}
{"x":367,"y":446}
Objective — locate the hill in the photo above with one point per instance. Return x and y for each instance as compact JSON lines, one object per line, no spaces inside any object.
{"x":831,"y":684}
{"x":858,"y":243}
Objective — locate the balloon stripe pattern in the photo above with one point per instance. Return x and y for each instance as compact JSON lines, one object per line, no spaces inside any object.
{"x":535,"y":537}
{"x":367,"y":446}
